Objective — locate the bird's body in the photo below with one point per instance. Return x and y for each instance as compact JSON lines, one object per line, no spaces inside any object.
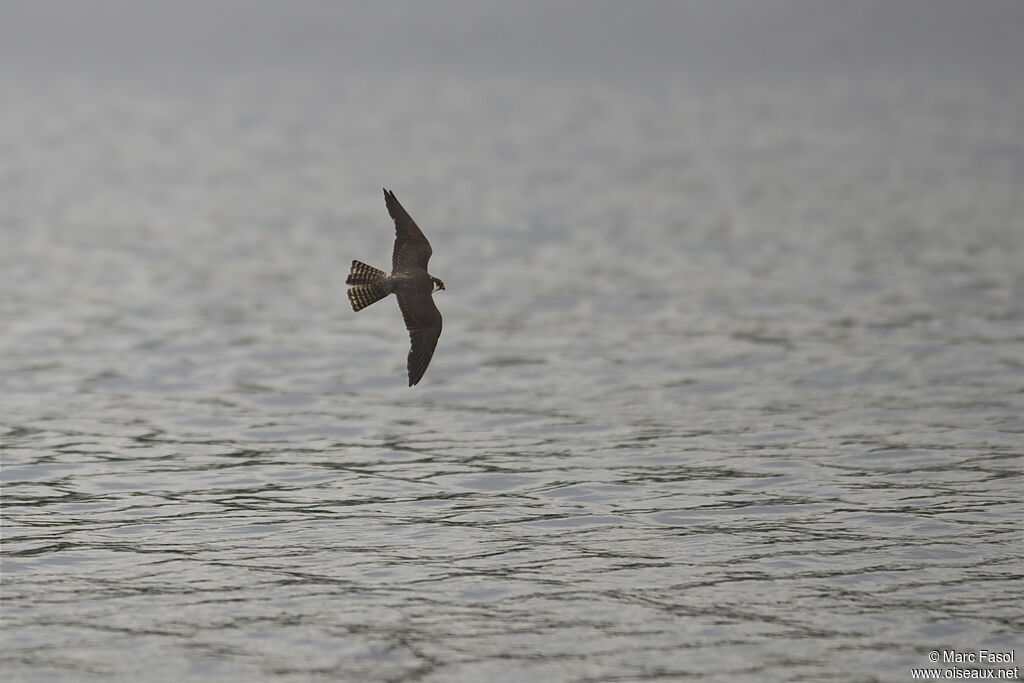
{"x":411,"y":284}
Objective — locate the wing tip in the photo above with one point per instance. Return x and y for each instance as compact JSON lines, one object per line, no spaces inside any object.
{"x":417,"y":368}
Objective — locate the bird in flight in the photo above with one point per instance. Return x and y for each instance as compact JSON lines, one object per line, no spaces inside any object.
{"x":409,"y":282}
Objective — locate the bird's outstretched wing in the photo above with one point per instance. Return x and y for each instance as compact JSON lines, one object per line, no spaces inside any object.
{"x":412,"y":250}
{"x":423,"y":321}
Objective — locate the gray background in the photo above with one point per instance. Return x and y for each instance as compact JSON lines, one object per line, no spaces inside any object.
{"x":731,"y":383}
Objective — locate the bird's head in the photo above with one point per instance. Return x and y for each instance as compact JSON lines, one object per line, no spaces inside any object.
{"x":438,"y":285}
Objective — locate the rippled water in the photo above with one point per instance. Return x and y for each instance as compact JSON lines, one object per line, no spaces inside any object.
{"x":731,"y":384}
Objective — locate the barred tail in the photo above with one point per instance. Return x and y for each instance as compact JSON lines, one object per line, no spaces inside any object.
{"x":361,"y":296}
{"x":362,"y":274}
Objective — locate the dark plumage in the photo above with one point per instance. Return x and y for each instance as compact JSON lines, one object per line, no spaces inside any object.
{"x":409,"y":282}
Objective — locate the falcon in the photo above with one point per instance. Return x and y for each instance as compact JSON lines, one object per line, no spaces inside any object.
{"x":411,"y":284}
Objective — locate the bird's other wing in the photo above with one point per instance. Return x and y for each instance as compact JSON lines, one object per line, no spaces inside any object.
{"x":423,"y":321}
{"x":412,"y":250}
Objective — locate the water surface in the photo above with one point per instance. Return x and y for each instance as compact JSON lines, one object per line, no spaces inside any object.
{"x":731,"y":383}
